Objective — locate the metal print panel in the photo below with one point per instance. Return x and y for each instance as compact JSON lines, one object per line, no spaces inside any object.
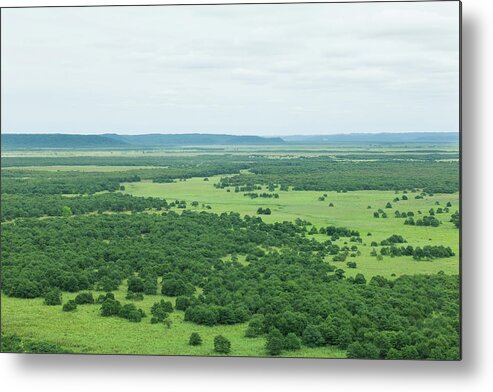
{"x":264,"y":180}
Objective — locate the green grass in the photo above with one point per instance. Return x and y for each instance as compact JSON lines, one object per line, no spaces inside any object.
{"x":86,"y":331}
{"x":350,"y":210}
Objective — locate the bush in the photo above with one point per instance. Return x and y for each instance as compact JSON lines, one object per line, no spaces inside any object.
{"x":275,"y":342}
{"x":134,"y":296}
{"x":256,"y":326}
{"x":135,"y":284}
{"x":195,"y":339}
{"x":359,"y":279}
{"x":110,"y":307}
{"x":292,"y":342}
{"x":174,"y":286}
{"x":182,"y":303}
{"x":222,"y":345}
{"x":312,"y":337}
{"x":69,"y":306}
{"x":84,"y":298}
{"x":160,"y":310}
{"x":104,"y":297}
{"x":53,"y":297}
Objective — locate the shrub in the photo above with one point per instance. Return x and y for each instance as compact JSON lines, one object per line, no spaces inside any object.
{"x":182,"y":303}
{"x":160,"y":310}
{"x":135,"y":284}
{"x":53,"y":297}
{"x":274,"y":343}
{"x":195,"y":339}
{"x":256,"y":326}
{"x":110,"y":307}
{"x":292,"y":342}
{"x":134,"y":296}
{"x":222,"y":345}
{"x":312,"y":337}
{"x":84,"y":298}
{"x":69,"y":306}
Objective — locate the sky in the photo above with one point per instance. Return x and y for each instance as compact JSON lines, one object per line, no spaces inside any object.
{"x":243,"y":69}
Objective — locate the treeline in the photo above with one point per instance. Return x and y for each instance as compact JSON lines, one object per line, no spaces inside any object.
{"x":67,"y":183}
{"x":126,"y":160}
{"x":173,"y":173}
{"x":427,"y":252}
{"x":325,"y":174}
{"x":15,"y":206}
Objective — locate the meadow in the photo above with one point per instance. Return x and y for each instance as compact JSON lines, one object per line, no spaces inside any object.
{"x":350,"y":210}
{"x":25,"y":314}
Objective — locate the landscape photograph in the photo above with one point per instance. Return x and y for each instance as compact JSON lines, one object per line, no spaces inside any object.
{"x":268,"y":180}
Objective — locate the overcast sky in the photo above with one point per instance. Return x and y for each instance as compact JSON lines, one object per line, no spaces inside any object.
{"x":257,"y":69}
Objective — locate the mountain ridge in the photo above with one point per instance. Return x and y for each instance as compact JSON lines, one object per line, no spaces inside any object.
{"x":20,"y":141}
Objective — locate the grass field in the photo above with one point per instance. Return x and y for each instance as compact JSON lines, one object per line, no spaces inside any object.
{"x":85,"y":331}
{"x":350,"y":210}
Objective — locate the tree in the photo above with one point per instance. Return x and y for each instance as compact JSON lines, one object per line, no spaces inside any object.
{"x":66,"y":211}
{"x":53,"y":297}
{"x":182,"y":303}
{"x":135,"y":284}
{"x":312,"y":336}
{"x":388,"y":205}
{"x":195,"y":339}
{"x":222,"y":345}
{"x":292,"y":342}
{"x":160,"y":310}
{"x":131,"y":313}
{"x":256,"y":326}
{"x":275,"y":342}
{"x":84,"y":298}
{"x":174,"y":286}
{"x":313,"y":230}
{"x":150,"y":287}
{"x":69,"y":306}
{"x":356,"y":350}
{"x":110,"y":307}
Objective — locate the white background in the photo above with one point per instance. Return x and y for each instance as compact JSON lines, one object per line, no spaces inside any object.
{"x":473,"y":373}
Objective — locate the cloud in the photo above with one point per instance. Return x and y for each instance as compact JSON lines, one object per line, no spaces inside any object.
{"x":311,"y":68}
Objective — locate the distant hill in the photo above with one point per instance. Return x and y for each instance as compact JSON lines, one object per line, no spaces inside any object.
{"x":377,"y":138}
{"x":110,"y":140}
{"x":192,"y":139}
{"x":106,"y":141}
{"x":57,"y":140}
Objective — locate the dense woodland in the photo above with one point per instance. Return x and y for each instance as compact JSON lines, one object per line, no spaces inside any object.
{"x":322,"y":174}
{"x":286,"y":285}
{"x":285,"y":289}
